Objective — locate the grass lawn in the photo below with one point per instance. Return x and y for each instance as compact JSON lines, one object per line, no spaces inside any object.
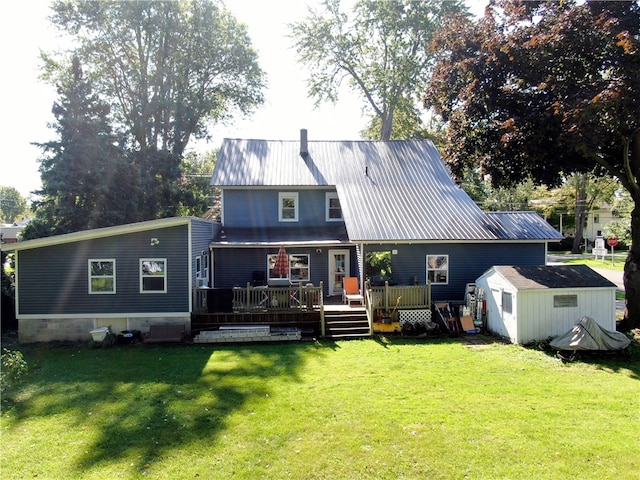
{"x":372,"y":409}
{"x":617,"y":264}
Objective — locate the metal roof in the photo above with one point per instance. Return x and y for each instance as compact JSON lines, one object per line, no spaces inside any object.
{"x":389,"y":191}
{"x":333,"y":235}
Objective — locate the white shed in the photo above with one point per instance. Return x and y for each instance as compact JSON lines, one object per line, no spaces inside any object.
{"x":526,"y":304}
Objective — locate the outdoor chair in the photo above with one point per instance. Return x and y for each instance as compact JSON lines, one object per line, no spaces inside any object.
{"x":351,"y":292}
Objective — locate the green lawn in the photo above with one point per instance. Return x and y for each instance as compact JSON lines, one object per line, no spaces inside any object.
{"x":371,"y":409}
{"x":607,"y":263}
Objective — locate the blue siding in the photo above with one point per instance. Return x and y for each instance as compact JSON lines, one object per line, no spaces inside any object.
{"x":466,"y":262}
{"x":201,"y":234}
{"x":234,"y":267}
{"x":54,"y":279}
{"x":259,"y":208}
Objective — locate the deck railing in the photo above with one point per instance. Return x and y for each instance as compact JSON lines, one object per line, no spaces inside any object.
{"x":386,"y":298}
{"x":267,"y":299}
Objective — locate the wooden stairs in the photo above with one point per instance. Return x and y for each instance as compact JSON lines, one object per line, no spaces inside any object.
{"x":346,"y":324}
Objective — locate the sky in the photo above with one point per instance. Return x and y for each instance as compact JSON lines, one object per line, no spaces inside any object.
{"x":27,"y":101}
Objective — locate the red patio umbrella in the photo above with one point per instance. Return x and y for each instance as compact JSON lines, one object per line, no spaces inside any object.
{"x":281,"y":267}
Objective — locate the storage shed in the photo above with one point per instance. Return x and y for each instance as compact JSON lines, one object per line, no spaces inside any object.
{"x":531,"y":303}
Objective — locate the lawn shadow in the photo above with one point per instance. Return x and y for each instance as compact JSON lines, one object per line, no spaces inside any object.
{"x":614,"y":361}
{"x":141,"y":401}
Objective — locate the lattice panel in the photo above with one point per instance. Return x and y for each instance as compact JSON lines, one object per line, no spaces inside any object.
{"x":414,"y":319}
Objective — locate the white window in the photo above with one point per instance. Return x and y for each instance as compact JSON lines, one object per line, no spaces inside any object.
{"x":298,"y":268}
{"x":202,"y":270}
{"x":438,"y":269}
{"x":102,"y":275}
{"x":288,"y":206}
{"x":153,"y":275}
{"x":333,"y":209}
{"x":507,"y":302}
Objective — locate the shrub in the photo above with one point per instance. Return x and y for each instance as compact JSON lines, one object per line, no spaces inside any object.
{"x":14,"y":366}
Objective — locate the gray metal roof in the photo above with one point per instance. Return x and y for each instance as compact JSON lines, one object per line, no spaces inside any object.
{"x":333,"y":235}
{"x":553,"y":276}
{"x":389,"y":191}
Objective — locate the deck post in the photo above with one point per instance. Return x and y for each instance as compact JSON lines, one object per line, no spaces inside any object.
{"x":321,"y":301}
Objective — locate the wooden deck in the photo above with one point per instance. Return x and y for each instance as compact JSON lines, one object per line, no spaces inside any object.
{"x":307,"y":310}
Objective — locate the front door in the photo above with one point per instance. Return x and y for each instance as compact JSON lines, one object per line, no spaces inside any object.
{"x":338,"y":269}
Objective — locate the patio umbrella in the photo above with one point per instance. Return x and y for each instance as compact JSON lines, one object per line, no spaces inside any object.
{"x":281,"y":267}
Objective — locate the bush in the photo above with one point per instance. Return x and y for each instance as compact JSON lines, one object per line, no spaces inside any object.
{"x":14,"y":366}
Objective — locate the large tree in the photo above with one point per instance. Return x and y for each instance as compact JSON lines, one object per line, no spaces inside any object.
{"x":85,"y":175}
{"x":166,"y":67}
{"x":380,"y":48}
{"x":546,"y":89}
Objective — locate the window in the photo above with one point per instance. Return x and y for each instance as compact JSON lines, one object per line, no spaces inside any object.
{"x":102,"y":276}
{"x":298,"y":267}
{"x":202,"y":270}
{"x":153,"y":275}
{"x":288,"y":206}
{"x":333,"y":210}
{"x":560,"y":301}
{"x":507,"y":302}
{"x":438,"y":269}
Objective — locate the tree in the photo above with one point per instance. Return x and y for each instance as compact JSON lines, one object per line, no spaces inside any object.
{"x":84,"y":172}
{"x":12,"y":204}
{"x":381,"y":50}
{"x":196,"y":176}
{"x":546,"y":89}
{"x":166,"y":67}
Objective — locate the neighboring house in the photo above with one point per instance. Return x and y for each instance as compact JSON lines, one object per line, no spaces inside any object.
{"x":533,"y":303}
{"x":597,"y":219}
{"x":330,"y":203}
{"x":10,"y":232}
{"x":125,"y":277}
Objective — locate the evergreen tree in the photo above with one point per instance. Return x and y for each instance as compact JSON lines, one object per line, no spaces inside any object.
{"x":86,"y":179}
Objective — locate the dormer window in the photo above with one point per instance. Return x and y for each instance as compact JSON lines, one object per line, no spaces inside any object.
{"x":333,"y":209}
{"x":288,"y":206}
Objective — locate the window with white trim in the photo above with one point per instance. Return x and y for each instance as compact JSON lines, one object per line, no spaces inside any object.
{"x":438,"y":269}
{"x":288,"y":206}
{"x":299,"y":270}
{"x":102,"y":275}
{"x":153,"y":275}
{"x":333,"y":209}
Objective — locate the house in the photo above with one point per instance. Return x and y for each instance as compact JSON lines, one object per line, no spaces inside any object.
{"x":332,"y":204}
{"x":126,"y":277}
{"x":597,"y":219}
{"x":533,"y":303}
{"x":10,"y":232}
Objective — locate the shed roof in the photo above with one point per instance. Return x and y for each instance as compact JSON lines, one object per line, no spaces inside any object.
{"x":389,"y":191}
{"x":552,"y":276}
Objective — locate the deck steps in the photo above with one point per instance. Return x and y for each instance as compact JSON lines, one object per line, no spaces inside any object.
{"x":346,"y":324}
